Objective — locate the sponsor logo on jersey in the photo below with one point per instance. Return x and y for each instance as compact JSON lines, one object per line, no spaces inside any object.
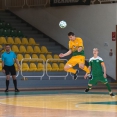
{"x":74,"y":46}
{"x":97,"y":61}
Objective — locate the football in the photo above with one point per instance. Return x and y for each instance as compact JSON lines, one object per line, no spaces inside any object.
{"x":62,"y":24}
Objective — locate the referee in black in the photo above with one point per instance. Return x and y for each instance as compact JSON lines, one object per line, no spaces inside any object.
{"x":8,"y":59}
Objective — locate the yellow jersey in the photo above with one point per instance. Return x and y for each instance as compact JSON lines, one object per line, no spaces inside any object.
{"x":74,"y":45}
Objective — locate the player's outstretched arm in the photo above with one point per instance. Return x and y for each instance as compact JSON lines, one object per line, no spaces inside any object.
{"x":65,"y":54}
{"x":104,"y":69}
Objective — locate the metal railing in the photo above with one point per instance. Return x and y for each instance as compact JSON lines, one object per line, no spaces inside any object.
{"x":31,"y":3}
{"x":45,"y":69}
{"x":64,"y":76}
{"x":14,"y":3}
{"x":93,"y":1}
{"x":31,"y":59}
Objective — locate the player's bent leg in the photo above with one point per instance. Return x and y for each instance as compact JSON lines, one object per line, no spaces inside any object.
{"x":85,"y":68}
{"x":68,"y":68}
{"x":109,"y":89}
{"x":89,"y":88}
{"x":91,"y":82}
{"x":108,"y":86}
{"x":7,"y":83}
{"x":105,"y":81}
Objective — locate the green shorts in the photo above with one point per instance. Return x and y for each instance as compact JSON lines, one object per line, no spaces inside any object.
{"x":96,"y":79}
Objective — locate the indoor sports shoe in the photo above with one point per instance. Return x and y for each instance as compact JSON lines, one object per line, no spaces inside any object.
{"x":89,"y":76}
{"x":87,"y":90}
{"x":16,"y":90}
{"x":112,"y":95}
{"x":6,"y":90}
{"x":75,"y":75}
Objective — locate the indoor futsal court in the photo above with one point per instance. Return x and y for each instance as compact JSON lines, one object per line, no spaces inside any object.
{"x":58,"y":58}
{"x":57,"y":103}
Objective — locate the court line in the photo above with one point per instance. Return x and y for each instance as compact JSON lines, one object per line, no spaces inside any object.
{"x":46,"y":107}
{"x":54,"y":92}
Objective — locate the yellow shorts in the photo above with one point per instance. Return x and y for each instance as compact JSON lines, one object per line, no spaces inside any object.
{"x":76,"y":60}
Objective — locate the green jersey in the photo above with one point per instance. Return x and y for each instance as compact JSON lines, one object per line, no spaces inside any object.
{"x":96,"y":68}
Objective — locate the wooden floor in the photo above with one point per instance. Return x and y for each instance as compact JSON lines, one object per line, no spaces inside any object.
{"x":67,"y":103}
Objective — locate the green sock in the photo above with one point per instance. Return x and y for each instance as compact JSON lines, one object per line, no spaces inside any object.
{"x":108,"y":87}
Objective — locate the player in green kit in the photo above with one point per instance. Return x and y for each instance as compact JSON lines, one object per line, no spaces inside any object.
{"x":96,"y":64}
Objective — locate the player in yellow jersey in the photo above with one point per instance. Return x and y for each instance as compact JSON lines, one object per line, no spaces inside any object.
{"x":77,"y":49}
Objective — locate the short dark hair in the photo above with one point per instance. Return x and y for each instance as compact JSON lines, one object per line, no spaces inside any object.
{"x":71,"y":34}
{"x":7,"y":45}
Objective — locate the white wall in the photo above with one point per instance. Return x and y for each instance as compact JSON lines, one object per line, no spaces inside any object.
{"x":94,"y":24}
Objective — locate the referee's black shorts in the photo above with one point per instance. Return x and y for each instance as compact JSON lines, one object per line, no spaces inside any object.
{"x":10,"y":70}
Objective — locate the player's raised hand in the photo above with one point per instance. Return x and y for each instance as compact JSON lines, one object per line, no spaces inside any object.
{"x":61,"y":55}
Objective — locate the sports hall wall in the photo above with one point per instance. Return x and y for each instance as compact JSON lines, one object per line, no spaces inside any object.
{"x":94,"y":23}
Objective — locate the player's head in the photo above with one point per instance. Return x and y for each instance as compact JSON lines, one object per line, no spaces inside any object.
{"x":71,"y":36}
{"x":95,"y":51}
{"x":7,"y":48}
